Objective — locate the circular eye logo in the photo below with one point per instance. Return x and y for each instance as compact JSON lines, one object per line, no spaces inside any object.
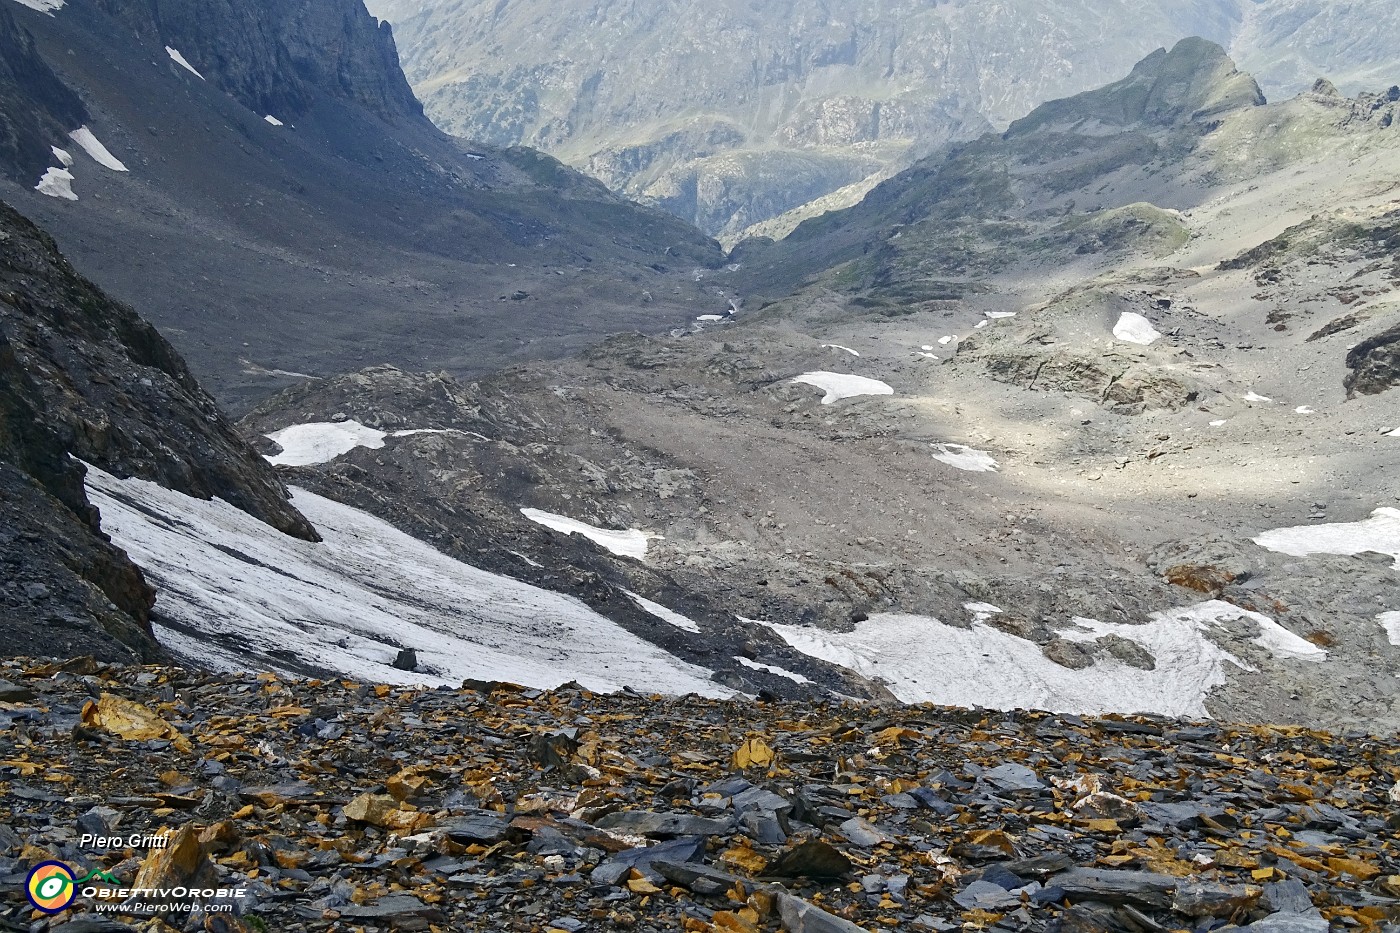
{"x":51,"y":887}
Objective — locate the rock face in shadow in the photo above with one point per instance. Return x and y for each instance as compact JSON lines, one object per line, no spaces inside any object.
{"x":1374,"y":364}
{"x":36,"y":107}
{"x":281,"y":58}
{"x":86,"y":379}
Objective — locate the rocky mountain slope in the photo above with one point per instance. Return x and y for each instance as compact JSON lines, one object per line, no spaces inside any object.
{"x":87,"y":381}
{"x":732,"y":115}
{"x":260,"y":180}
{"x":495,"y":808}
{"x":1101,"y":421}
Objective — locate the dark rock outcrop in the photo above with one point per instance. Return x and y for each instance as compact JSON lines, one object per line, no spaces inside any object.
{"x":86,"y":379}
{"x":1374,"y":364}
{"x":281,"y":58}
{"x":36,"y":107}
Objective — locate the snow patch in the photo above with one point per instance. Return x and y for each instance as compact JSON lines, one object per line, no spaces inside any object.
{"x":664,"y":614}
{"x":179,"y":59}
{"x":1218,"y":424}
{"x":710,"y":317}
{"x":837,"y":346}
{"x":629,"y":543}
{"x":839,"y":386}
{"x":1390,"y":621}
{"x":93,"y":147}
{"x":981,"y":612}
{"x":273,"y":120}
{"x":999,"y":315}
{"x":350,"y":602}
{"x":944,"y":341}
{"x":1380,"y":533}
{"x":772,"y":669}
{"x":1253,"y":396}
{"x":1304,"y":410}
{"x":57,"y":183}
{"x":43,"y":6}
{"x":63,"y":156}
{"x":322,"y":441}
{"x":923,"y":660}
{"x":964,"y":458}
{"x":1134,"y":328}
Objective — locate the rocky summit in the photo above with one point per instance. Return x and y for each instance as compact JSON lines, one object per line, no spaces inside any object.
{"x":334,"y":805}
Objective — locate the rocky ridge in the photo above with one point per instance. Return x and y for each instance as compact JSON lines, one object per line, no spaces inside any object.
{"x":338,"y":805}
{"x":87,"y":380}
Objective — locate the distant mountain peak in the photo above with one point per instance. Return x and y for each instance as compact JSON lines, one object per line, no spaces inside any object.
{"x":1195,"y":80}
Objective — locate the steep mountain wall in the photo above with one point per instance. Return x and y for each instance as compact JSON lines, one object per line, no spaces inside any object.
{"x":86,"y":379}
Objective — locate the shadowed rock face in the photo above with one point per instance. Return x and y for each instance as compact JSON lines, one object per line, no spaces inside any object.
{"x":281,"y":58}
{"x":1374,"y":364}
{"x":36,"y":108}
{"x":85,"y":379}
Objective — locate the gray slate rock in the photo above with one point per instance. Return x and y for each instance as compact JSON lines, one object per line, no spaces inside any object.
{"x":798,"y":916}
{"x":648,"y":823}
{"x":1014,"y":778}
{"x":1117,"y":886}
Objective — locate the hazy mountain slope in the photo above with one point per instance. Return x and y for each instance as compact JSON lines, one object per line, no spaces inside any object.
{"x":86,"y":380}
{"x":1288,"y":44}
{"x":344,"y":230}
{"x":729,"y":113}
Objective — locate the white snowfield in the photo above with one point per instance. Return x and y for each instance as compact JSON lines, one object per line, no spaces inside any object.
{"x":923,"y":660}
{"x":63,"y":156}
{"x":179,"y":59}
{"x":1134,"y":328}
{"x":323,"y":441}
{"x":964,"y":458}
{"x":273,"y":120}
{"x":94,"y":148}
{"x":1390,"y":621}
{"x":664,"y":614}
{"x":1379,"y":533}
{"x":838,"y":386}
{"x":57,"y":183}
{"x":350,"y":602}
{"x":629,"y":543}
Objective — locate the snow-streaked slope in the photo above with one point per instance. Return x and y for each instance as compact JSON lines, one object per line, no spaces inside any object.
{"x":94,"y":148}
{"x":629,"y":543}
{"x":179,"y":59}
{"x":964,"y":458}
{"x":664,"y":614}
{"x":1134,"y":328}
{"x":923,"y":660}
{"x":1379,"y":533}
{"x":838,"y":386}
{"x":350,"y":602}
{"x":772,"y":669}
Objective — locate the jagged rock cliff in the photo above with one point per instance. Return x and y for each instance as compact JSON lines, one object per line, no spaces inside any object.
{"x":86,"y":379}
{"x":280,"y":58}
{"x":36,"y":108}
